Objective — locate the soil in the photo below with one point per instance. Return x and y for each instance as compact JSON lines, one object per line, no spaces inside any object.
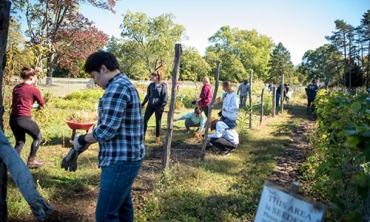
{"x":81,"y":207}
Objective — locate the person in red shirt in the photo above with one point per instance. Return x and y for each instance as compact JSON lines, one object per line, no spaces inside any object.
{"x":205,"y":97}
{"x":24,"y":96}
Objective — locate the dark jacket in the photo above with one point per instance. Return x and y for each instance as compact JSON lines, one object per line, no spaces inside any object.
{"x":157,"y":96}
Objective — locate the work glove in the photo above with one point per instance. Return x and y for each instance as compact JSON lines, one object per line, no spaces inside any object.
{"x":219,"y":113}
{"x":161,"y":109}
{"x":193,"y":102}
{"x":69,"y":162}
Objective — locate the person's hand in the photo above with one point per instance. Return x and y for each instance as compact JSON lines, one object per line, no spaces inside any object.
{"x":174,"y":119}
{"x":197,"y":134}
{"x":193,"y":102}
{"x":161,"y":109}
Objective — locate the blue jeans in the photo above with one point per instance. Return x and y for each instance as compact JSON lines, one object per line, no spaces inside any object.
{"x":23,"y":178}
{"x":114,"y":201}
{"x":230,"y":123}
{"x":277,"y":99}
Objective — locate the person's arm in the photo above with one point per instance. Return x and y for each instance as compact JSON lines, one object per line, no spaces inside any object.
{"x":239,"y":89}
{"x":164,"y":94}
{"x":201,"y":123}
{"x":38,"y":97}
{"x":185,"y":116}
{"x":218,"y":132}
{"x":147,"y":95}
{"x":233,"y":105}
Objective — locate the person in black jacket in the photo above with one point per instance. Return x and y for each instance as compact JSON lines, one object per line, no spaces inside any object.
{"x":157,"y":97}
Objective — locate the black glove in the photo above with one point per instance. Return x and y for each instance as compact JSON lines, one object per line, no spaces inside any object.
{"x":69,"y":162}
{"x":161,"y":109}
{"x":219,"y":113}
{"x":193,"y":102}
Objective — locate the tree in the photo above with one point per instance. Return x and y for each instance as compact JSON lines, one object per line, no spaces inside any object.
{"x":323,"y":62}
{"x":150,"y":40}
{"x":57,"y":27}
{"x":193,"y":67}
{"x":16,"y":53}
{"x":280,"y":63}
{"x":240,"y":51}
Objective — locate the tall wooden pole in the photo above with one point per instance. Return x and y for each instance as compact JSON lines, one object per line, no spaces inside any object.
{"x":4,"y":26}
{"x":250,"y":98}
{"x":175,"y":77}
{"x":282,"y":93}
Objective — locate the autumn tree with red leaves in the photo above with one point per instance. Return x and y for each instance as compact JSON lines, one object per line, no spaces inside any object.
{"x":59,"y":33}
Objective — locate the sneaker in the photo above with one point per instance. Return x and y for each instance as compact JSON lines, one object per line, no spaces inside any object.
{"x":187,"y":132}
{"x":225,"y":152}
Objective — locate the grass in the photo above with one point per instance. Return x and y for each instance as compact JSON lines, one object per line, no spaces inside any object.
{"x":216,"y":189}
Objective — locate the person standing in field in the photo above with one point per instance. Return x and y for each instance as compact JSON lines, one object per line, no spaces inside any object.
{"x":157,"y":97}
{"x":205,"y":96}
{"x":311,"y":91}
{"x":21,"y":122}
{"x":120,"y":134}
{"x":193,"y":118}
{"x":243,"y":91}
{"x":230,"y":106}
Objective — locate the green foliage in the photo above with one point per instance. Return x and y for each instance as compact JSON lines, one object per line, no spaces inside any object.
{"x":341,"y":168}
{"x":239,"y":52}
{"x":280,"y":63}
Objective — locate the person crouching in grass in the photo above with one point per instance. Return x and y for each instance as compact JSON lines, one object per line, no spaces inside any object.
{"x":224,"y":138}
{"x":193,"y":119}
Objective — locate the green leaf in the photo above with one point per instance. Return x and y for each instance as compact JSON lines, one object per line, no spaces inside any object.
{"x":359,"y":179}
{"x":352,"y":141}
{"x":356,"y":106}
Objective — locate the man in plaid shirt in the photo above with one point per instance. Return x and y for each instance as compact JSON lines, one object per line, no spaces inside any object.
{"x":120,"y":135}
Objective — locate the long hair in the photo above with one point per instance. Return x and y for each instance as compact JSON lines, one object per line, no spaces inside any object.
{"x":158,"y":74}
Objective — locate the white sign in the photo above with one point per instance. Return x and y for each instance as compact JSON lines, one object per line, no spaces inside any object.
{"x":278,"y":206}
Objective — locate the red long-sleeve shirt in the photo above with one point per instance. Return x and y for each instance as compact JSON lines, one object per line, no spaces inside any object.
{"x":205,"y":95}
{"x":24,"y":95}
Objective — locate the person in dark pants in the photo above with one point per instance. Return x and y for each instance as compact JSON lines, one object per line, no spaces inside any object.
{"x":224,"y":138}
{"x":157,"y":97}
{"x":205,"y":96}
{"x":21,"y":123}
{"x":311,"y":91}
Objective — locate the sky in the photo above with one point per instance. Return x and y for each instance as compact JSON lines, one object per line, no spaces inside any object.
{"x":300,"y":25}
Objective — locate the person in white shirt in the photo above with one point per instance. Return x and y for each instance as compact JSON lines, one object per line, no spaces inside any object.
{"x":243,"y":91}
{"x":223,"y":138}
{"x":193,"y":118}
{"x":230,"y":106}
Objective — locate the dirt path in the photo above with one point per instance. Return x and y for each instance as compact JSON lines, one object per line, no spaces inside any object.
{"x":294,"y":154}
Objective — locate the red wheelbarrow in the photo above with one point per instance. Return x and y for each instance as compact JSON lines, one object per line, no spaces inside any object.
{"x":81,"y":126}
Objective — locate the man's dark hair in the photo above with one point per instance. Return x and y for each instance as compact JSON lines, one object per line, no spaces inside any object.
{"x":99,"y":58}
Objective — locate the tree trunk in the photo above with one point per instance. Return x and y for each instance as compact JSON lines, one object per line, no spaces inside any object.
{"x":175,"y":77}
{"x":4,"y":26}
{"x":50,"y":65}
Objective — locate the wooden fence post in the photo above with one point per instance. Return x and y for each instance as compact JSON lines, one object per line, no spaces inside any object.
{"x":175,"y":76}
{"x":282,"y":94}
{"x":273,"y":101}
{"x":4,"y":26}
{"x":250,"y":98}
{"x":204,"y":142}
{"x":262,"y":93}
